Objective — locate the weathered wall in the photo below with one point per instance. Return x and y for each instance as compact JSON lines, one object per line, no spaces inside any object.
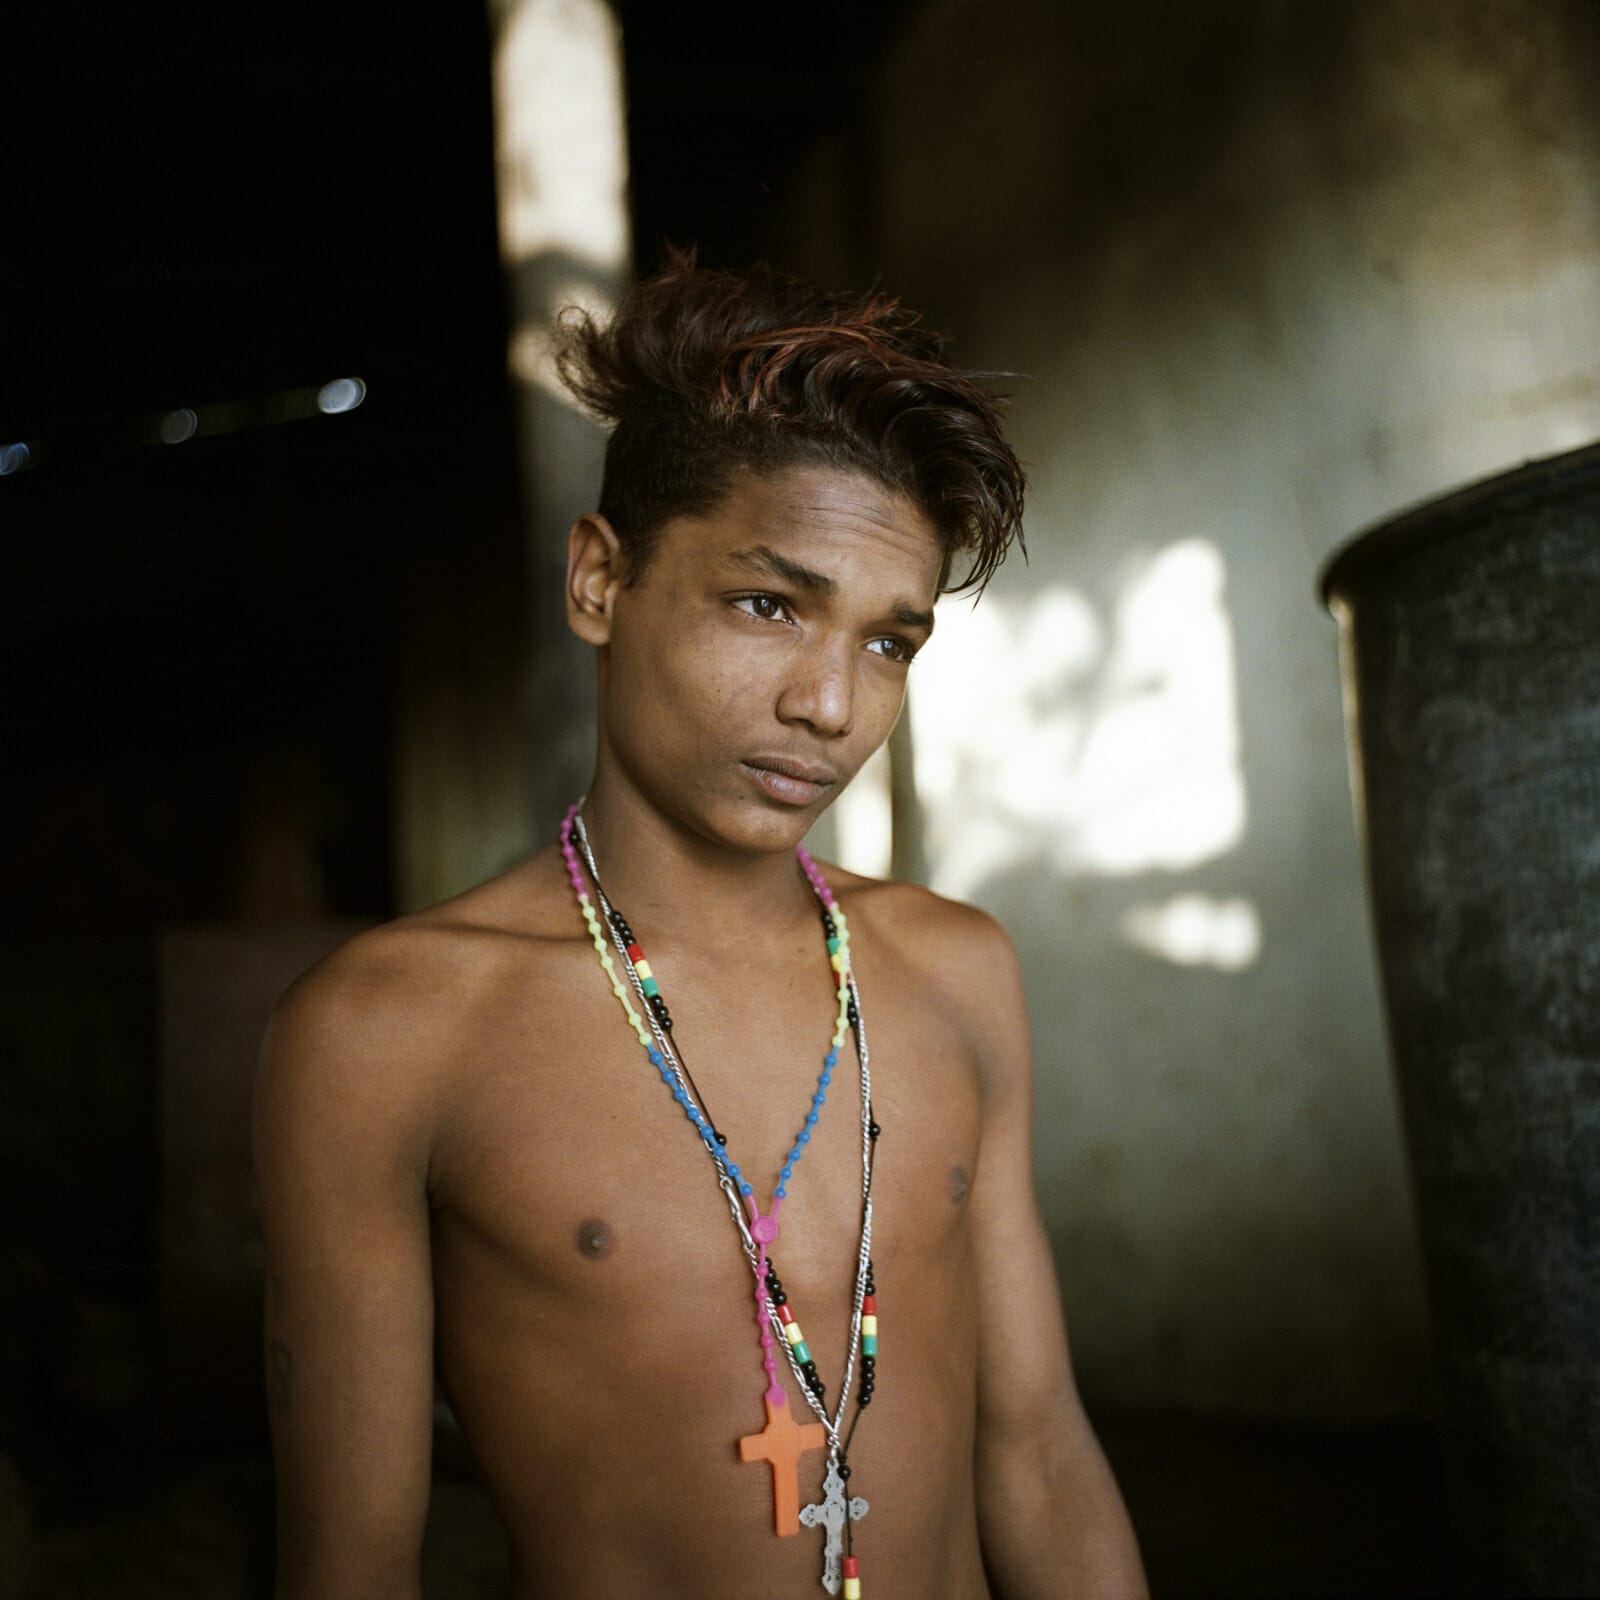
{"x":1272,"y":272}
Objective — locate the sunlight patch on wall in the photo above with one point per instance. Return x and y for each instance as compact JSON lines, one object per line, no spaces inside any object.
{"x":560,"y":150}
{"x":532,"y":352}
{"x":1193,"y":930}
{"x":560,"y":170}
{"x":863,"y":820}
{"x":1099,"y":746}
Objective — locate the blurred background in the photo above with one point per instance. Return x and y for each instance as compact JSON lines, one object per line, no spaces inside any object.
{"x":283,"y":480}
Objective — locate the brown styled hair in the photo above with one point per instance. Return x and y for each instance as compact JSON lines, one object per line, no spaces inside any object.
{"x":705,"y":373}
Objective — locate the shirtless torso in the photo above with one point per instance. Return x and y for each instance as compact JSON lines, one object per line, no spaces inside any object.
{"x":467,"y":1166}
{"x":588,"y":1295}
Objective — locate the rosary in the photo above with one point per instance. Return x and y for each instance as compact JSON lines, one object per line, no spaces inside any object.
{"x":782,"y":1441}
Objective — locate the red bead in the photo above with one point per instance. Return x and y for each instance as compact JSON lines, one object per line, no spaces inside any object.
{"x":785,"y":1314}
{"x":869,"y":1305}
{"x":635,"y":954}
{"x":852,"y":1567}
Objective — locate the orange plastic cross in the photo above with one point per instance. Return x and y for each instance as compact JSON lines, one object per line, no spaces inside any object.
{"x":781,"y":1443}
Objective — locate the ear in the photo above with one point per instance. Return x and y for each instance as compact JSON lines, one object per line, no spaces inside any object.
{"x":596,"y":570}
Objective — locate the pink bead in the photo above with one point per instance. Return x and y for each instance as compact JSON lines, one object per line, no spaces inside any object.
{"x":764,"y":1229}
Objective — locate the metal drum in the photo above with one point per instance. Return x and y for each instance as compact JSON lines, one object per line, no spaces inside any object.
{"x":1470,"y":631}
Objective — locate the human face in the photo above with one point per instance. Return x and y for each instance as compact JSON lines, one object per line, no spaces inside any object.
{"x":762,"y":655}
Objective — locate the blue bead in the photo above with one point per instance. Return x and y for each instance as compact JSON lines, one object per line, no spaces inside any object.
{"x":825,"y":1079}
{"x":811,"y":1119}
{"x":832,"y":1058}
{"x":688,"y":1111}
{"x":779,"y":1192}
{"x":786,"y":1174}
{"x":805,"y":1138}
{"x":818,"y":1098}
{"x":744,"y":1188}
{"x":655,"y":1057}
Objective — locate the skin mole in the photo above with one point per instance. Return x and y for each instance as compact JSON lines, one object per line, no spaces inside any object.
{"x":594,"y":1239}
{"x":956,"y":1183}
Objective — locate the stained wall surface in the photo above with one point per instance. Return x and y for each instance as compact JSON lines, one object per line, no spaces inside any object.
{"x":1271,"y":273}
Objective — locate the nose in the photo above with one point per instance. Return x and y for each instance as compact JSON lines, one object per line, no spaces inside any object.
{"x":820,"y":693}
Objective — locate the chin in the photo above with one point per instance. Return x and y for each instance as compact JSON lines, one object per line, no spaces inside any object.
{"x":758,"y":827}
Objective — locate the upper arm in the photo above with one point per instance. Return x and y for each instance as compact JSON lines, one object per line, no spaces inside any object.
{"x":1051,"y":1519}
{"x":341,"y":1170}
{"x":1025,"y":1383}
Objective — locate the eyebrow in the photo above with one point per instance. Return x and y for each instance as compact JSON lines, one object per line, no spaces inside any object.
{"x":763,"y":558}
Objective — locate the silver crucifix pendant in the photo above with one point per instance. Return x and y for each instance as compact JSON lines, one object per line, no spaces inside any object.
{"x":830,"y":1513}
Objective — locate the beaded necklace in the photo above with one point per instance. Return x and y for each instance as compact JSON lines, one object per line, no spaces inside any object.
{"x":782,"y":1441}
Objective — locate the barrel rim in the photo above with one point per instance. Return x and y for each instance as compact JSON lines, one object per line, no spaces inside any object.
{"x":1381,"y":544}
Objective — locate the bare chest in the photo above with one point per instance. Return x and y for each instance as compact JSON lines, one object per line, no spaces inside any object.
{"x":568,"y":1160}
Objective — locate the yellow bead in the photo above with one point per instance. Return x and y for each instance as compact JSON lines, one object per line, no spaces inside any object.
{"x":869,"y":1324}
{"x":643,"y":969}
{"x":852,"y":1589}
{"x":791,"y":1331}
{"x":836,"y":962}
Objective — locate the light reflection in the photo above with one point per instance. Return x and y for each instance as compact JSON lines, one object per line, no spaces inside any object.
{"x":177,"y":427}
{"x":13,"y":458}
{"x":343,"y":394}
{"x":1193,"y":930}
{"x":1106,"y":747}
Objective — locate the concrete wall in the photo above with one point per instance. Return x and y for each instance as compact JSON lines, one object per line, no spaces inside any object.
{"x":1272,"y":272}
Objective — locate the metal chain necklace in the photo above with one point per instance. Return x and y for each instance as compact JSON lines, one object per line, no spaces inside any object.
{"x":781,"y":1443}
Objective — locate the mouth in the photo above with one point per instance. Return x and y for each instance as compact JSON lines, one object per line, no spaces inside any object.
{"x":792,"y":783}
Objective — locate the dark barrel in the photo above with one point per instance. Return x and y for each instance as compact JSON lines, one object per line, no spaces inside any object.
{"x":1470,"y":631}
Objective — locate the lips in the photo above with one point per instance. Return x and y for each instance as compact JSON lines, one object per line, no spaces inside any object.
{"x":793,"y":783}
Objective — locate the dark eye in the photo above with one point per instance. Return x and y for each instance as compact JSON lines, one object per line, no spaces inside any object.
{"x":766,"y":606}
{"x":894,"y":649}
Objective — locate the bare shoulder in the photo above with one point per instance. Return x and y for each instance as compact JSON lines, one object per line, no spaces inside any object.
{"x":963,"y":956}
{"x":924,"y":926}
{"x":373,"y":1033}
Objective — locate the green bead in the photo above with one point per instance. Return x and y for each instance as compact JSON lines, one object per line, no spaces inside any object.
{"x":802,"y":1352}
{"x":869,"y":1344}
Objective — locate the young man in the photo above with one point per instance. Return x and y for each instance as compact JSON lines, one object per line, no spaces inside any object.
{"x":485,"y":1151}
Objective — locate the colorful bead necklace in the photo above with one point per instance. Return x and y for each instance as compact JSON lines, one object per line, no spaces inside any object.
{"x":782,"y":1441}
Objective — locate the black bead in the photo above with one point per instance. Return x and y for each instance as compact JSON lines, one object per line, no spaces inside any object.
{"x":722,"y":1138}
{"x":666,"y":1022}
{"x":864,"y":1398}
{"x":874,"y":1129}
{"x":809,"y":1368}
{"x":844,"y":1473}
{"x":779,"y":1298}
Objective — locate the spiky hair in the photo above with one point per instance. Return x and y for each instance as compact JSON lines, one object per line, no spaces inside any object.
{"x":704,"y":374}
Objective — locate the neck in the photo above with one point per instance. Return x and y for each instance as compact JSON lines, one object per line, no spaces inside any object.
{"x":668,"y":876}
